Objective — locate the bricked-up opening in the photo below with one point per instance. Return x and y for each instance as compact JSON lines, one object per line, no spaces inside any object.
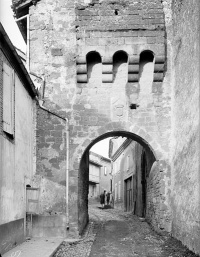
{"x":146,"y":71}
{"x":94,"y":67}
{"x":83,"y":177}
{"x":120,"y":66}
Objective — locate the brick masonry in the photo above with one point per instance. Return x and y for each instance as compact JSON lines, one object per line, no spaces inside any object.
{"x":63,"y":34}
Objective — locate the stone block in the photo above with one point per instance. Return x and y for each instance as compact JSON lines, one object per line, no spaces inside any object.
{"x":107,"y":68}
{"x":158,"y":67}
{"x":133,"y":77}
{"x":81,"y":69}
{"x":158,"y":76}
{"x":134,"y":59}
{"x":135,"y":40}
{"x":160,"y":59}
{"x":82,"y":78}
{"x":133,"y":68}
{"x":57,"y":52}
{"x":107,"y":59}
{"x":81,"y":60}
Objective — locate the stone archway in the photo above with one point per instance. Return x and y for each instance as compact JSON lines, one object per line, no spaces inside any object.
{"x":83,"y":174}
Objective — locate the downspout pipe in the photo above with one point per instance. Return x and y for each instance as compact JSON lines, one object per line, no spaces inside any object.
{"x":40,"y":103}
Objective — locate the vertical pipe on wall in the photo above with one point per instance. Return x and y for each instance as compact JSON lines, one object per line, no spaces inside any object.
{"x":67,"y":157}
{"x":67,"y":172}
{"x":40,"y":102}
{"x":28,"y":44}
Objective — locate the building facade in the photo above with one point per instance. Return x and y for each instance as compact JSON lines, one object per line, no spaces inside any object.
{"x":17,"y":143}
{"x":130,"y":171}
{"x":99,"y":174}
{"x":118,"y":68}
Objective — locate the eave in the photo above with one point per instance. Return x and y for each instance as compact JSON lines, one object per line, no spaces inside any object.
{"x":16,"y":62}
{"x":20,"y":9}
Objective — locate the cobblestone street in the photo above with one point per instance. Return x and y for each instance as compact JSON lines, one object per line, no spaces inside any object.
{"x":113,"y":232}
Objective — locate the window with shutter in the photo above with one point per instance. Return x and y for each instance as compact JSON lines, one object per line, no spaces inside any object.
{"x":8,"y":99}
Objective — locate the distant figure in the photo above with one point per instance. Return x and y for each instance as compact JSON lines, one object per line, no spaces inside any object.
{"x":108,"y":198}
{"x":102,"y":198}
{"x":111,"y":200}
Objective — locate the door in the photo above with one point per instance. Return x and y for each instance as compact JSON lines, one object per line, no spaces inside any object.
{"x":128,"y":194}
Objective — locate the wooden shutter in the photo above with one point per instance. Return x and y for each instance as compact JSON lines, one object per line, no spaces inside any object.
{"x":8,"y":99}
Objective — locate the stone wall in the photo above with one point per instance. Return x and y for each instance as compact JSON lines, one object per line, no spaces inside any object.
{"x":186,"y":178}
{"x":61,"y":36}
{"x":158,"y":213}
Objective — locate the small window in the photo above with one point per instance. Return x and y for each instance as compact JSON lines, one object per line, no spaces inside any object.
{"x":105,"y":171}
{"x":8,"y":99}
{"x":115,"y":191}
{"x":119,"y":190}
{"x":94,"y":67}
{"x":128,"y":163}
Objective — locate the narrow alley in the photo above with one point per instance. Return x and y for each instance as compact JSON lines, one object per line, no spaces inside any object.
{"x":124,"y":74}
{"x":113,"y":232}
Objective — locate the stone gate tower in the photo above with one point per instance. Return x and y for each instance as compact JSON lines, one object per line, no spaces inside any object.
{"x":103,"y":68}
{"x":110,"y":68}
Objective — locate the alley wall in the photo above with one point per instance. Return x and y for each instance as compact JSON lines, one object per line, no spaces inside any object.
{"x":185,"y":153}
{"x":16,"y":159}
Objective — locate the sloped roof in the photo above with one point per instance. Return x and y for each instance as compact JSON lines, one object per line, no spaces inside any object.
{"x":15,"y":60}
{"x":22,"y":3}
{"x":21,"y":8}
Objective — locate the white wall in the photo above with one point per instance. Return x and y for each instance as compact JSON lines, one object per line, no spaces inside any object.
{"x":17,"y":158}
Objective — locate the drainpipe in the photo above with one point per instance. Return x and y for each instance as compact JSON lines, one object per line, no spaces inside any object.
{"x":40,"y":102}
{"x":28,"y":39}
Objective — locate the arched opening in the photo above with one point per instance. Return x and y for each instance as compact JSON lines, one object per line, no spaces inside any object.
{"x":146,"y":70}
{"x":94,"y":67}
{"x":120,"y":66}
{"x":133,"y":157}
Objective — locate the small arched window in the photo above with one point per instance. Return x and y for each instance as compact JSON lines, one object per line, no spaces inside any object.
{"x":120,"y":66}
{"x":94,"y":67}
{"x":146,"y":71}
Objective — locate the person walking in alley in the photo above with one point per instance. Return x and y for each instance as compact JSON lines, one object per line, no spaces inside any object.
{"x":102,"y":198}
{"x":108,"y":198}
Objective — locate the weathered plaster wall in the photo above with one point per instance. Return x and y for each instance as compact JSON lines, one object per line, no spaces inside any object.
{"x":186,"y":176}
{"x":130,"y":166}
{"x":61,"y":35}
{"x":16,"y":166}
{"x":158,"y":212}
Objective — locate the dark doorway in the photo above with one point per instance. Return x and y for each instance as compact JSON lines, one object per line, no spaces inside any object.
{"x":144,"y":183}
{"x":128,"y":194}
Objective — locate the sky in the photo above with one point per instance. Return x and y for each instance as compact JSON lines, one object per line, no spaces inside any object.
{"x":10,"y":26}
{"x":101,"y":147}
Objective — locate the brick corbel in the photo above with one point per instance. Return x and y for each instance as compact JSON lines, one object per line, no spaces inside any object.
{"x":159,"y":68}
{"x":133,"y":68}
{"x":81,"y":69}
{"x":107,"y":69}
